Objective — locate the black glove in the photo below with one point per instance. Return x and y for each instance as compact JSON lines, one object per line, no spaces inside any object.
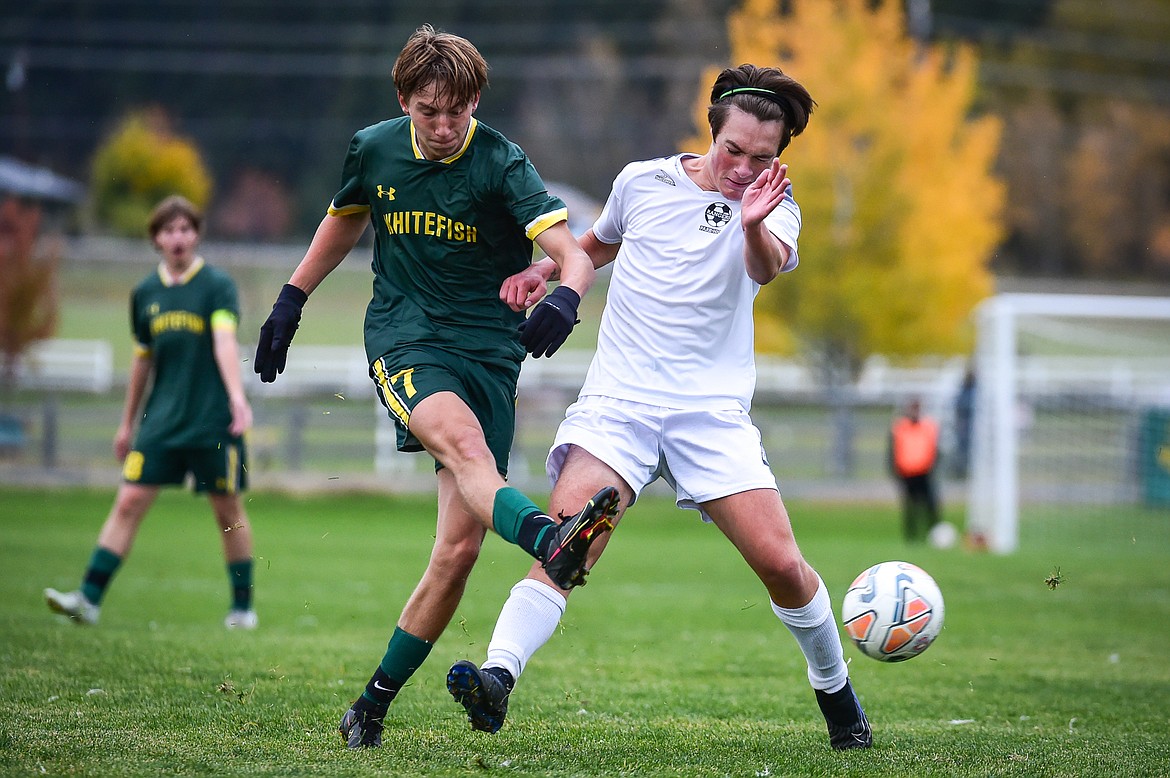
{"x":550,"y":323}
{"x":277,"y":333}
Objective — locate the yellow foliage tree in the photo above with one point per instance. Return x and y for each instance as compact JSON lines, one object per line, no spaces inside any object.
{"x":142,"y":162}
{"x":894,"y":177}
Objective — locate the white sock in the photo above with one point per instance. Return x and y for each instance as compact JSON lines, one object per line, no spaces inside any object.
{"x":527,"y":620}
{"x":815,"y":631}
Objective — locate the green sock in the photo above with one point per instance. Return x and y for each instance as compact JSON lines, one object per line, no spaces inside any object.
{"x":102,"y":566}
{"x":405,"y":653}
{"x":240,"y":577}
{"x":517,"y":520}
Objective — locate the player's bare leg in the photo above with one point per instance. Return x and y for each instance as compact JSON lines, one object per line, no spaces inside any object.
{"x":115,"y":540}
{"x":532,"y":612}
{"x":124,"y":519}
{"x":581,"y":476}
{"x":451,"y":433}
{"x":757,"y":523}
{"x":458,"y":539}
{"x":235,"y":529}
{"x":236,"y":536}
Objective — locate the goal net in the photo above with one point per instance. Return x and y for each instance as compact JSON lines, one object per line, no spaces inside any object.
{"x":1072,"y":408}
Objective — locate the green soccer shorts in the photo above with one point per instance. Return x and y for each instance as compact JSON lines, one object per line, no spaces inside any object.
{"x":221,"y":469}
{"x":405,"y":378}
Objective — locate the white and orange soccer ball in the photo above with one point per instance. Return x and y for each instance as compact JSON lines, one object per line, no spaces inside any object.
{"x":893,"y":611}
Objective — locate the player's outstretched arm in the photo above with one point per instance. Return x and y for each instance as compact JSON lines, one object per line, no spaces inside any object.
{"x":335,"y":238}
{"x":550,"y":323}
{"x":600,"y":254}
{"x":524,"y":289}
{"x":574,"y":267}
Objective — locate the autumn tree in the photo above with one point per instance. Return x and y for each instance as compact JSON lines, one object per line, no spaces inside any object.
{"x":142,"y":162}
{"x":1086,"y":143}
{"x":28,"y":301}
{"x":894,"y":177}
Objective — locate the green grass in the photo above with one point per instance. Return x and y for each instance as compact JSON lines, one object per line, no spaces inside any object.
{"x":669,"y":663}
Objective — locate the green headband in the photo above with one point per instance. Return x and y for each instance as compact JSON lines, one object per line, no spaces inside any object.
{"x":754,"y":90}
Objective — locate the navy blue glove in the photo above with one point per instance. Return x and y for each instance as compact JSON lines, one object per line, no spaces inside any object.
{"x":550,"y":323}
{"x":277,"y":333}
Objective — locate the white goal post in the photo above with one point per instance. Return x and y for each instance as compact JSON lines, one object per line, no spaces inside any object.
{"x":1060,"y":381}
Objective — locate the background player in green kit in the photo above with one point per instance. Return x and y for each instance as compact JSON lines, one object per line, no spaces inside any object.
{"x":455,"y":207}
{"x":184,"y":319}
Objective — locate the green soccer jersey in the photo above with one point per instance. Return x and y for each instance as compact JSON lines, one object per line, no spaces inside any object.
{"x":447,"y":234}
{"x":188,"y":404}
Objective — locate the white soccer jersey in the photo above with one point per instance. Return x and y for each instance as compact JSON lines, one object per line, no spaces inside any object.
{"x":677,"y":328}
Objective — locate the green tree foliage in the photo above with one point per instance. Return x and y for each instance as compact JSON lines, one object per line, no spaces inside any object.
{"x":142,"y":162}
{"x":893,"y":176}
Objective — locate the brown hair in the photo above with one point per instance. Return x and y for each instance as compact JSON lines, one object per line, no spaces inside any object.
{"x":453,"y":64}
{"x":169,"y":208}
{"x":768,"y":94}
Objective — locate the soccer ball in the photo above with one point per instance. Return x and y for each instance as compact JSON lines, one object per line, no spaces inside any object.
{"x":893,"y":611}
{"x":943,"y":536}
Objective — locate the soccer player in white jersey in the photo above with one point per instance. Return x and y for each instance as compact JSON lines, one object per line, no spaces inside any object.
{"x":692,"y":239}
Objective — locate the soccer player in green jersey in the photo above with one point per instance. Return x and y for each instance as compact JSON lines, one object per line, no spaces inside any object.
{"x":184,"y":319}
{"x":455,"y":208}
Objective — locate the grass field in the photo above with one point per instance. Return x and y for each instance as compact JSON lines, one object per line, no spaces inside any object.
{"x":669,"y":663}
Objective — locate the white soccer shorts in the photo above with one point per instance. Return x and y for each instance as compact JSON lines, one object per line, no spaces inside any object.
{"x":702,"y":454}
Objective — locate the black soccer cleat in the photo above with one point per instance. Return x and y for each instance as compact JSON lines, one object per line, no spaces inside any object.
{"x":483,"y":695}
{"x":361,"y":729}
{"x":566,"y":561}
{"x":848,"y":726}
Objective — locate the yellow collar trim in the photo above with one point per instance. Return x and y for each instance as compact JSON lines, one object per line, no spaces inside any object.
{"x":446,"y":160}
{"x":169,"y":280}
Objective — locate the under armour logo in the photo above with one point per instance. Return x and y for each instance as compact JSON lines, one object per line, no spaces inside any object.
{"x":387,"y":193}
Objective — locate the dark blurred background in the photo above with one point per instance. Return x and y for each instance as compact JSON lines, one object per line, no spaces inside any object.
{"x":270,"y":93}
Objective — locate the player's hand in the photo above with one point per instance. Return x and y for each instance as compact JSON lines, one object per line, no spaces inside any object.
{"x":241,"y":416}
{"x":277,"y":333}
{"x":550,"y":322}
{"x":122,"y":440}
{"x":764,"y":194}
{"x":521,"y":290}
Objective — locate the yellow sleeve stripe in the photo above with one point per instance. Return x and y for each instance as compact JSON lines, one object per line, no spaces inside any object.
{"x":224,"y":320}
{"x":541,"y":224}
{"x":347,"y":210}
{"x":141,"y":350}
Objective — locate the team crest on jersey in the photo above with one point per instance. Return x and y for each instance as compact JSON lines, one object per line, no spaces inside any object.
{"x":717,"y":215}
{"x":661,"y":176}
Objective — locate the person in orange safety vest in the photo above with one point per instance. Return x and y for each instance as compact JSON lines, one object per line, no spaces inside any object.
{"x":913,"y":455}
